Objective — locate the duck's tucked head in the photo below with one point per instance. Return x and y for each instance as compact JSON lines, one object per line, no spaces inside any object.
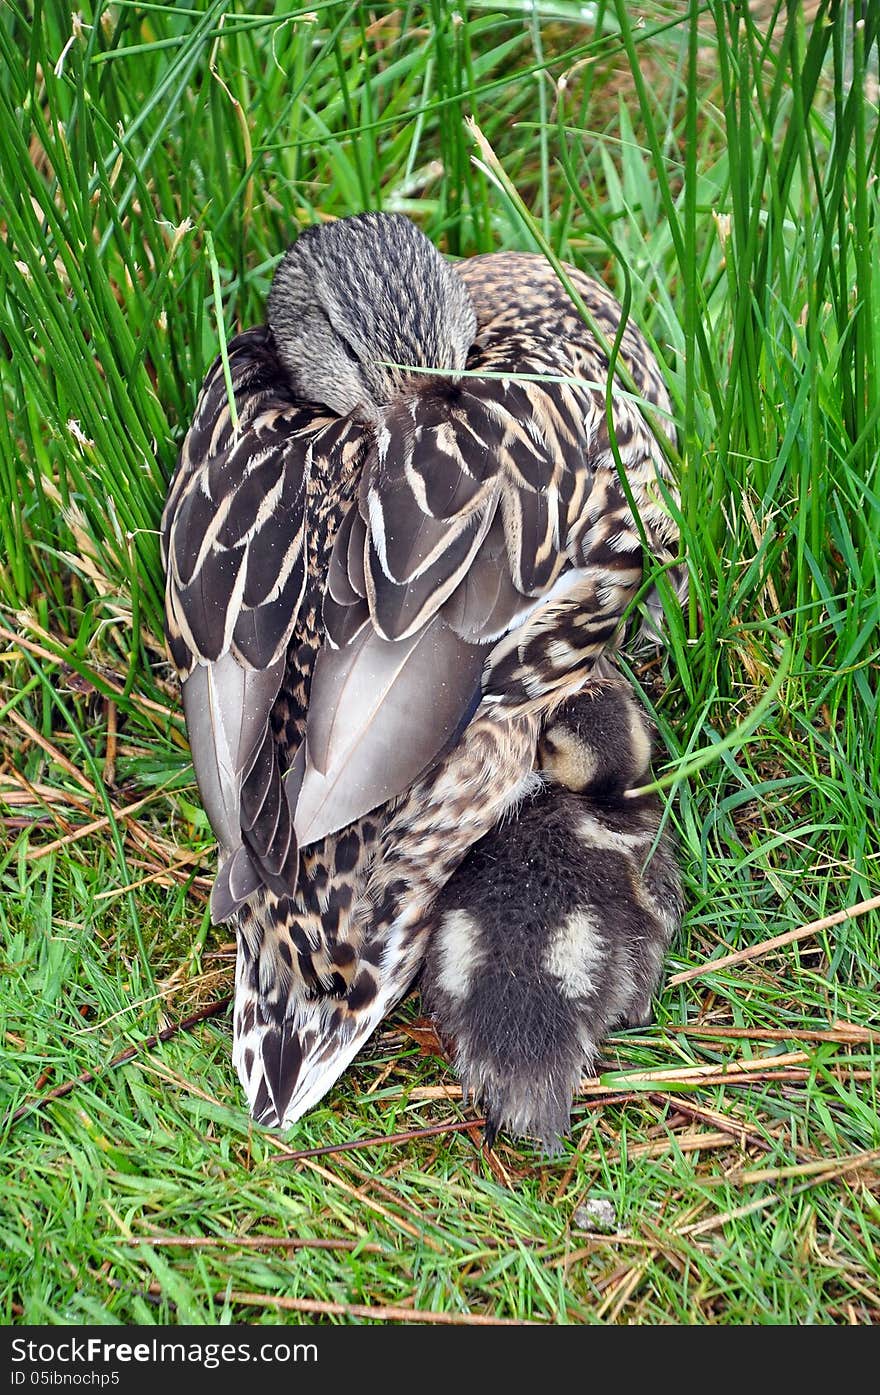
{"x":352,"y":297}
{"x":598,"y":743}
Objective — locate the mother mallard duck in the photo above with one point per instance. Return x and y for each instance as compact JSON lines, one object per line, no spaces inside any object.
{"x":402,"y":550}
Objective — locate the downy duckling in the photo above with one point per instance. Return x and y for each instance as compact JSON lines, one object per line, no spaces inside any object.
{"x":554,"y":929}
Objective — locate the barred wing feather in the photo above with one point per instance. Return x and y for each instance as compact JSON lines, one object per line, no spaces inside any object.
{"x":233,"y":539}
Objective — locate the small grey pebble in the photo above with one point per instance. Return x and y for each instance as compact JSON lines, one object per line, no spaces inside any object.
{"x":596,"y":1214}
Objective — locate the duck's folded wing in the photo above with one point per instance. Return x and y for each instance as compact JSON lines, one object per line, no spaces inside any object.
{"x":469,"y":512}
{"x":233,"y":548}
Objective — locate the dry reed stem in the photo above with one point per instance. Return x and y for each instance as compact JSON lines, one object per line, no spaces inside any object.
{"x":820,"y":1168}
{"x":247,"y":1242}
{"x":96,"y":825}
{"x":378,"y":1314}
{"x":700,"y":1114}
{"x":842,"y":1033}
{"x":143,"y":839}
{"x":385,"y":1140}
{"x":740,"y":956}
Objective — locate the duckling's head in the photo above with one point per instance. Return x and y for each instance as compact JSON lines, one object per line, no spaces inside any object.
{"x":352,"y":297}
{"x":598,"y":743}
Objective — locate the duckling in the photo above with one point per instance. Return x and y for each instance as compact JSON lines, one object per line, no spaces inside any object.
{"x":553,"y":929}
{"x":402,"y":546}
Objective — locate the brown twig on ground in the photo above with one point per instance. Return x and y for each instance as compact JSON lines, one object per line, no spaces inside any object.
{"x":96,"y":825}
{"x":109,"y":771}
{"x":52,"y":751}
{"x":385,"y":1140}
{"x":738,"y":1133}
{"x":30,"y":1106}
{"x":247,"y":1242}
{"x":185,"y":860}
{"x":820,"y":1169}
{"x":43,"y":795}
{"x":790,"y":1065}
{"x":380,"y":1313}
{"x":698,"y":1142}
{"x":740,"y":956}
{"x":842,"y":1033}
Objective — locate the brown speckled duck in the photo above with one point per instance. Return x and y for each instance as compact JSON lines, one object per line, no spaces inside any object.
{"x":410,"y":547}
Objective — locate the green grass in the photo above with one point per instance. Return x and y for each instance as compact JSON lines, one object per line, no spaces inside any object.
{"x":724,"y":184}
